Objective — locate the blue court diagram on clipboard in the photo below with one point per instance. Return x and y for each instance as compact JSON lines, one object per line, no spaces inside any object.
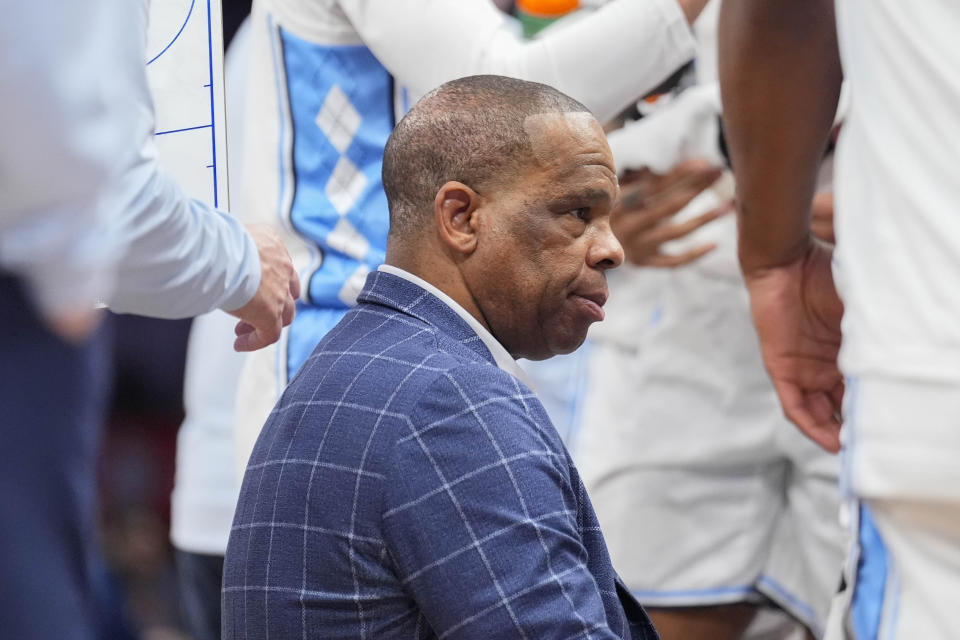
{"x":185,"y":71}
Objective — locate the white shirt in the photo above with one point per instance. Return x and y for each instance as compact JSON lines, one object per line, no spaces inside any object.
{"x":897,"y":263}
{"x":500,"y":355}
{"x":206,"y":485}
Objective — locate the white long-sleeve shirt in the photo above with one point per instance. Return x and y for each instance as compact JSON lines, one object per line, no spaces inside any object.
{"x":86,"y":212}
{"x":606,"y":60}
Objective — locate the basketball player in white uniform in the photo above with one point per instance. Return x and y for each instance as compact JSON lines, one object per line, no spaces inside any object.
{"x":896,"y":268}
{"x":714,"y":508}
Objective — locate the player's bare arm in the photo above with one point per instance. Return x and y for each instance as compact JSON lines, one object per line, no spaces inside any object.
{"x":780,"y":81}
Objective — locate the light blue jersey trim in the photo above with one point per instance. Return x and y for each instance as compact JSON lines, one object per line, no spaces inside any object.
{"x":791,"y":603}
{"x":892,"y":613}
{"x":765,"y":587}
{"x":341,"y":112}
{"x":694,"y":596}
{"x":341,"y":106}
{"x":872,"y":572}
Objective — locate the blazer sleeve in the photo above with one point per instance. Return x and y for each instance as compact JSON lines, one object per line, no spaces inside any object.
{"x":480,"y":516}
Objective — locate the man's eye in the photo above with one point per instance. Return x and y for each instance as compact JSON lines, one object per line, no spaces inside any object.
{"x":581,"y":214}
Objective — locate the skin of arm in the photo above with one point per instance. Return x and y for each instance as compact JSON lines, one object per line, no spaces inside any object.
{"x":780,"y":82}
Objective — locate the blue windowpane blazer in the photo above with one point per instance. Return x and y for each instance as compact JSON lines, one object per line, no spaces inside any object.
{"x":406,"y":487}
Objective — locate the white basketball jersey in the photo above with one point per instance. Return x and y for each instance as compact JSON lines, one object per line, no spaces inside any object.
{"x":898,"y":189}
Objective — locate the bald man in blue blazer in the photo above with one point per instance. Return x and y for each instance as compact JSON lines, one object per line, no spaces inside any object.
{"x":408,"y":484}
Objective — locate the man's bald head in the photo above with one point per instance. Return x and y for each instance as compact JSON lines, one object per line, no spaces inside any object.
{"x":471,"y":130}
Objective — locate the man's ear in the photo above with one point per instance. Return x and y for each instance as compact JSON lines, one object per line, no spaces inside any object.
{"x":453,"y":212}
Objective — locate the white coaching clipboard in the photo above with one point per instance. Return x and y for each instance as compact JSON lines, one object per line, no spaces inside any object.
{"x":185,"y":72}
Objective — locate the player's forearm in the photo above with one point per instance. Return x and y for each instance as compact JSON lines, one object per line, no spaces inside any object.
{"x":780,"y":81}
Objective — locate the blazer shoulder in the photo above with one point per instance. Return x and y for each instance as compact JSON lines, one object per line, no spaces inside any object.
{"x":480,"y":397}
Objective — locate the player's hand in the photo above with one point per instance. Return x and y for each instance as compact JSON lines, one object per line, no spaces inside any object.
{"x":272,"y":307}
{"x":642,"y":219}
{"x":797,"y":313}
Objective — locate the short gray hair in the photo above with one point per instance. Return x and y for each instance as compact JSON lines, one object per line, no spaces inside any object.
{"x":469,"y":130}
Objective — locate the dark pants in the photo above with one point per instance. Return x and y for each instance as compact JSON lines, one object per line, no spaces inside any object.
{"x":52,"y":576}
{"x":199,"y":577}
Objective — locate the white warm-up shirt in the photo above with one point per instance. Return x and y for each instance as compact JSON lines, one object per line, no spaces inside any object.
{"x":897,"y":264}
{"x":206,"y":485}
{"x":605,"y":60}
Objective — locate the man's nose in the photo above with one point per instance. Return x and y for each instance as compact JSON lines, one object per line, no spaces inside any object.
{"x":606,"y":251}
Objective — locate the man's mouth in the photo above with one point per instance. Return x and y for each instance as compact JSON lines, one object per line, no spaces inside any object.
{"x":592,"y":303}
